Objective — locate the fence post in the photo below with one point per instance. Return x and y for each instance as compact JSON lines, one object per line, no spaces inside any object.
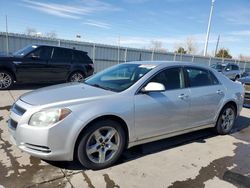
{"x":245,"y":66}
{"x":174,"y":56}
{"x":193,"y":59}
{"x":181,"y":57}
{"x":59,"y":42}
{"x":209,"y":62}
{"x":93,"y":53}
{"x":125,"y":55}
{"x":152,"y":55}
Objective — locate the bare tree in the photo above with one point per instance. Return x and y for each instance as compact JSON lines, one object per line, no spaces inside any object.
{"x":157,"y":46}
{"x":30,"y":31}
{"x":191,"y":45}
{"x":51,"y":34}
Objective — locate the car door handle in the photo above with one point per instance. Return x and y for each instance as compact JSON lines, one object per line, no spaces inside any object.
{"x":183,"y":96}
{"x":219,"y":92}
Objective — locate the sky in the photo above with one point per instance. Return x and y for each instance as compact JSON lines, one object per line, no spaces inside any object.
{"x":135,"y":23}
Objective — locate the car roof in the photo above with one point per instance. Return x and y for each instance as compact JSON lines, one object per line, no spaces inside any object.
{"x":167,"y":63}
{"x":54,"y":46}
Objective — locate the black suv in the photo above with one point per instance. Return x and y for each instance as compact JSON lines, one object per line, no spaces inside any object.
{"x":42,"y":63}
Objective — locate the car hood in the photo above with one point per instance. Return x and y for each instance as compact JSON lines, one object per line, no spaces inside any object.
{"x":245,"y":79}
{"x":9,"y":58}
{"x":63,"y":93}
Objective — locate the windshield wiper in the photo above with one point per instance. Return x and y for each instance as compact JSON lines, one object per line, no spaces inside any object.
{"x":99,"y":86}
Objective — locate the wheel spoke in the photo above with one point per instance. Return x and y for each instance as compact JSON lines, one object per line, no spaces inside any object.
{"x":102,"y":156}
{"x":110,"y":134}
{"x":92,"y":149}
{"x":228,"y":111}
{"x":98,"y":136}
{"x":112,"y":146}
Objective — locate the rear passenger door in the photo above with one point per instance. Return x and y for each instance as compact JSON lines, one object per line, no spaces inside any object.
{"x":60,"y":64}
{"x":206,"y":95}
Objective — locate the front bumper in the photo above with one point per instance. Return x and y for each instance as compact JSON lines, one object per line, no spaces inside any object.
{"x":51,"y":143}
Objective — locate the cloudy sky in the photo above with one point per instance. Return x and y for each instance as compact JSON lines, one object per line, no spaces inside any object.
{"x":135,"y":22}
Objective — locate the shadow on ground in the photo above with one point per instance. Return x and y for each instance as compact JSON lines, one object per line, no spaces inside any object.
{"x":158,"y":146}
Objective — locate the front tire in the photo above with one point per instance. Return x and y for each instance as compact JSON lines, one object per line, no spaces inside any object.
{"x":226,"y":120}
{"x":6,"y":80}
{"x":101,"y":144}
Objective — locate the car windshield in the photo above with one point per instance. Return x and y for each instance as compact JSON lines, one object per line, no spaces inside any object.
{"x":25,"y":51}
{"x":218,"y":67}
{"x":120,"y":77}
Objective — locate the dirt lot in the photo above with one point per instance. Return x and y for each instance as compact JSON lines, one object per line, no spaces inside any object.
{"x":200,"y":159}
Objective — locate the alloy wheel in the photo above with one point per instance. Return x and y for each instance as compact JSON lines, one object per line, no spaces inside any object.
{"x":76,"y":77}
{"x":227,"y":117}
{"x":103,"y":144}
{"x":5,"y":80}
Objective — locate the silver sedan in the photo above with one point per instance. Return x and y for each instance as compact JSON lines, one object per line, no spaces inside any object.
{"x":120,"y":107}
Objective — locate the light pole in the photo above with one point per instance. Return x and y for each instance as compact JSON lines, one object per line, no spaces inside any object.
{"x":208,"y":27}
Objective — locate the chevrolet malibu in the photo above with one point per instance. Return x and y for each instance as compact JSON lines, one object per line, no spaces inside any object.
{"x":120,"y":107}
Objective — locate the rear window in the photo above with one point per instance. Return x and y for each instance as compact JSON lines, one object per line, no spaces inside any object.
{"x":81,"y":57}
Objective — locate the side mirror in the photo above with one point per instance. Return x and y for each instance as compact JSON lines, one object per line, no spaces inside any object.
{"x":33,"y":56}
{"x":153,"y":87}
{"x":227,"y":69}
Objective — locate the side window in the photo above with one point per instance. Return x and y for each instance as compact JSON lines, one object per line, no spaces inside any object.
{"x":171,"y":78}
{"x":81,"y":57}
{"x":43,"y":53}
{"x":214,"y":80}
{"x":62,"y":55}
{"x":200,"y":77}
{"x":235,"y":67}
{"x":228,"y":68}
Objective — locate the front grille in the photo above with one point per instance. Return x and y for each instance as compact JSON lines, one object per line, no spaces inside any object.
{"x":12,"y":124}
{"x":43,"y":149}
{"x":247,"y":95}
{"x":18,"y":110}
{"x":247,"y":87}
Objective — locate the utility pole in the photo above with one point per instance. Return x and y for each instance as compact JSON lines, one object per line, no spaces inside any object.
{"x":208,"y":27}
{"x":7,"y":36}
{"x":217,"y":44}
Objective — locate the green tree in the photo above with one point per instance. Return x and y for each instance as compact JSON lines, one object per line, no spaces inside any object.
{"x":181,"y":50}
{"x":223,"y":53}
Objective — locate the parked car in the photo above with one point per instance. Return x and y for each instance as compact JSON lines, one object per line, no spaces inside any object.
{"x":246,"y":72}
{"x":230,"y":70}
{"x":120,"y":107}
{"x":42,"y":63}
{"x":246,"y":83}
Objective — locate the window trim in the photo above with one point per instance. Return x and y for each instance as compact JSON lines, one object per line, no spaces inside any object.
{"x":161,"y":70}
{"x":201,"y":68}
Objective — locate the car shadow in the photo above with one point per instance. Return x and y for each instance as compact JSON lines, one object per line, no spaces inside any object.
{"x":158,"y":146}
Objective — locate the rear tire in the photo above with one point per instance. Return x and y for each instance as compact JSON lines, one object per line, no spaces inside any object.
{"x":236,"y":78}
{"x":101,"y":144}
{"x":226,"y":120}
{"x":76,"y":77}
{"x":6,"y":80}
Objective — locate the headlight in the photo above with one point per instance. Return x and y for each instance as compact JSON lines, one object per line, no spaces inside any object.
{"x":48,"y":117}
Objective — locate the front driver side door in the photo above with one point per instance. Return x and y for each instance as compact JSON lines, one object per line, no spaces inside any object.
{"x":34,"y":67}
{"x":158,"y":113}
